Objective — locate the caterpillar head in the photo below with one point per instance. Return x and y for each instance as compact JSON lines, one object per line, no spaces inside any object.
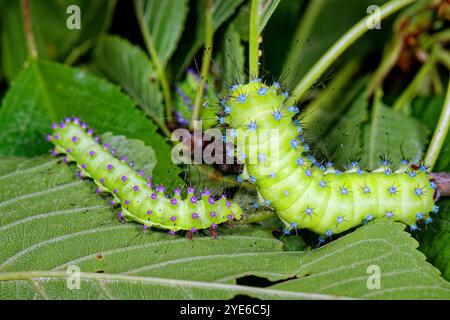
{"x":248,"y":105}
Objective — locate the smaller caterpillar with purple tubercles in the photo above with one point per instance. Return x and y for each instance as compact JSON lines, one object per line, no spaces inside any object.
{"x":141,"y":201}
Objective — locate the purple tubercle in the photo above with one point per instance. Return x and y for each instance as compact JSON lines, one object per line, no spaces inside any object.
{"x":173,"y":201}
{"x":195,"y":215}
{"x":74,"y":139}
{"x":211,"y":200}
{"x":193,"y":200}
{"x":177,"y":191}
{"x":149,"y":212}
{"x":97,"y":190}
{"x":131,"y":164}
{"x":173,"y":218}
{"x":54,"y":153}
{"x":106,"y":146}
{"x":49,"y":137}
{"x":212,"y":214}
{"x":56,"y":136}
{"x":90,"y":131}
{"x":127,"y":202}
{"x":154,"y":196}
{"x":124,"y":178}
{"x":123,"y":158}
{"x":141,"y":173}
{"x":115,"y":191}
{"x":109,"y":166}
{"x":66,"y":160}
{"x":54,"y":126}
{"x":83,"y":166}
{"x":92,"y":153}
{"x":230,"y":217}
{"x":135,"y":188}
{"x":193,"y":230}
{"x":190,"y":190}
{"x":69,"y":150}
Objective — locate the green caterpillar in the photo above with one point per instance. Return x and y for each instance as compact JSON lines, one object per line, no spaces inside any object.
{"x":140,"y":200}
{"x":304,"y":192}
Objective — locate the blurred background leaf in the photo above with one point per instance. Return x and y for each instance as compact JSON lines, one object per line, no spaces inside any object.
{"x":165,"y":23}
{"x":46,"y":92}
{"x":130,"y":66}
{"x":54,"y":41}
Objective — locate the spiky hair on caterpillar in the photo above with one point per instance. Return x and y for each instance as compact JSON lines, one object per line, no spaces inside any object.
{"x":310,"y":194}
{"x":140,"y":200}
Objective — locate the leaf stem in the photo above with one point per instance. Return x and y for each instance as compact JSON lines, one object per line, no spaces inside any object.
{"x":27,"y":25}
{"x":253,"y":40}
{"x":160,"y":70}
{"x":408,"y":94}
{"x":341,"y":45}
{"x":206,"y":60}
{"x":440,"y":133}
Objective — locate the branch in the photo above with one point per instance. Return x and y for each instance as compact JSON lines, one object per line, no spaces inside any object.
{"x":253,"y":40}
{"x":27,"y":25}
{"x":443,"y":183}
{"x":206,"y":60}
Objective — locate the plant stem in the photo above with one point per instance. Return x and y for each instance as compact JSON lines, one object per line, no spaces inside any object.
{"x":160,"y":70}
{"x":302,"y":33}
{"x":253,"y":40}
{"x":408,"y":94}
{"x":206,"y":60}
{"x":27,"y":25}
{"x":440,"y":133}
{"x":340,"y":46}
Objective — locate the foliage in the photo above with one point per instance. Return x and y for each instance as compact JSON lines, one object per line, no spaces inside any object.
{"x":382,"y":97}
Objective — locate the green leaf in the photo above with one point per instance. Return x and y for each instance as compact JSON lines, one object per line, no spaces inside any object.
{"x":342,"y":266}
{"x":165,"y":23}
{"x":435,"y":241}
{"x":394,"y":135}
{"x":343,"y":140}
{"x":129,"y":66}
{"x":143,"y":156}
{"x":54,"y":40}
{"x":221,"y":11}
{"x":47,"y":92}
{"x":265,"y":11}
{"x":50,"y":221}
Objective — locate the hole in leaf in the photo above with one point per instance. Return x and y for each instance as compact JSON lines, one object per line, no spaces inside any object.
{"x":261,"y":282}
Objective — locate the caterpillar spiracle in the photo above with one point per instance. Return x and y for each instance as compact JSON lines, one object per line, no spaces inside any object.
{"x":140,"y":200}
{"x":308,"y":194}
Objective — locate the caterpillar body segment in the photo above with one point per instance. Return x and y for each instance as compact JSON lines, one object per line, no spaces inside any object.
{"x":141,"y":201}
{"x":306,"y":193}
